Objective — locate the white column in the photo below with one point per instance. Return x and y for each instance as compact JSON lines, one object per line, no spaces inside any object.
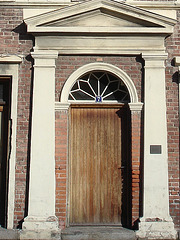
{"x":156,"y":222}
{"x":41,"y":208}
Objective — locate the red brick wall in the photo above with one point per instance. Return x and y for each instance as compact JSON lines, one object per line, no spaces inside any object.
{"x":10,"y":44}
{"x":61,"y":125}
{"x":173,"y":49}
{"x":136,"y":135}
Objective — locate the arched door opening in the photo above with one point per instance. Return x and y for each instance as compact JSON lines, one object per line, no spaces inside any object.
{"x":100,"y":147}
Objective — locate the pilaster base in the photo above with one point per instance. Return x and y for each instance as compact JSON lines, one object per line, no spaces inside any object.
{"x":40,"y":228}
{"x":155,"y":228}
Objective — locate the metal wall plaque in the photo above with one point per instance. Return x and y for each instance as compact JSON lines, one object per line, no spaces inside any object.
{"x":155,"y":149}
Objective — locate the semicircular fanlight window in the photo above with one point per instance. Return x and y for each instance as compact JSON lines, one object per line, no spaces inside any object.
{"x":98,"y":86}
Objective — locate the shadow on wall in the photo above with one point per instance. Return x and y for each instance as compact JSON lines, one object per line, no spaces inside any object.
{"x":22,"y":31}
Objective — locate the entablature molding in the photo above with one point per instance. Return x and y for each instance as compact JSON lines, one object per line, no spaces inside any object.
{"x":101,"y":45}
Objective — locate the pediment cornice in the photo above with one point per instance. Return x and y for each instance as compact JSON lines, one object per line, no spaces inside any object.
{"x":100,"y":17}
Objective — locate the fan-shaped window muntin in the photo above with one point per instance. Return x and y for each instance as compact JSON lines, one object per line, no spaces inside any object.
{"x":99,"y":86}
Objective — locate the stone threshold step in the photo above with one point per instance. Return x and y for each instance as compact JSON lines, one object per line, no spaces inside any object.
{"x":97,"y":233}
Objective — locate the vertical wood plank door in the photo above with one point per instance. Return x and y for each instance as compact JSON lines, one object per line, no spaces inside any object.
{"x":95,"y":165}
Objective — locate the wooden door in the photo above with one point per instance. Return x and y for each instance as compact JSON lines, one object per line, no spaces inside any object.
{"x":95,"y":165}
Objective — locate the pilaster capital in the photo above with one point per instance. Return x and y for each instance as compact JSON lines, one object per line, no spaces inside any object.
{"x":44,"y":59}
{"x":44,"y":54}
{"x":154,"y":60}
{"x":154,"y":56}
{"x":136,"y":107}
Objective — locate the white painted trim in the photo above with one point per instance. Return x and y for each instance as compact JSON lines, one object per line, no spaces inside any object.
{"x":155,"y":57}
{"x":119,"y":7}
{"x":136,"y":107}
{"x":155,"y":165}
{"x":41,"y":209}
{"x":99,"y":66}
{"x":9,"y":67}
{"x":10,"y":59}
{"x":61,"y":106}
{"x":102,"y":30}
{"x":41,"y":54}
{"x":52,"y":4}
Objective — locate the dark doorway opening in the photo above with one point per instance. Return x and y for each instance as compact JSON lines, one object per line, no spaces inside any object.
{"x":5,"y":90}
{"x":126,"y":168}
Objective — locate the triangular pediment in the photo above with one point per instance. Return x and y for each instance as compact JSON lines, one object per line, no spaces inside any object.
{"x":100,"y":16}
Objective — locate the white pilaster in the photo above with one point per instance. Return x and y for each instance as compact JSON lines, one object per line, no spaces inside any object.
{"x":156,"y":222}
{"x":41,"y":208}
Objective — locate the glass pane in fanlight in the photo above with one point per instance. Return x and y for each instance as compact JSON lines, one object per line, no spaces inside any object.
{"x":98,"y":74}
{"x":81,"y":96}
{"x":85,"y":87}
{"x":113,"y":86}
{"x":118,"y":96}
{"x":103,"y":83}
{"x":85,"y":77}
{"x":75,"y":86}
{"x":109,"y":86}
{"x":70,"y":98}
{"x":94,"y":83}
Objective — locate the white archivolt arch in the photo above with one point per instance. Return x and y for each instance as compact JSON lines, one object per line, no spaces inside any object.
{"x":103,"y":67}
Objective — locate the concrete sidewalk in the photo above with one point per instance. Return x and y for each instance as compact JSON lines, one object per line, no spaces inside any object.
{"x":97,"y":233}
{"x":81,"y":233}
{"x":9,"y":233}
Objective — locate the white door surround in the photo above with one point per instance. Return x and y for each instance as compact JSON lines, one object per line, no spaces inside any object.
{"x":143,"y":33}
{"x":9,"y":66}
